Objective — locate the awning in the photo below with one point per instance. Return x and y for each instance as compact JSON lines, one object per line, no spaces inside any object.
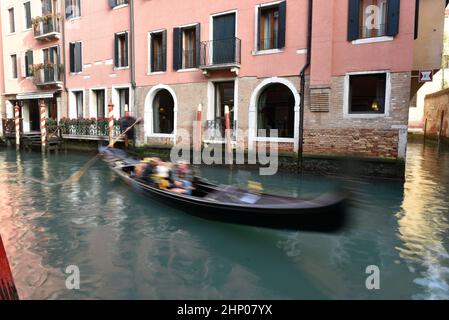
{"x":35,"y":95}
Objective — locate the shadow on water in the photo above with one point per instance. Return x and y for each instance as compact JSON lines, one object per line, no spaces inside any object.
{"x":128,"y":246}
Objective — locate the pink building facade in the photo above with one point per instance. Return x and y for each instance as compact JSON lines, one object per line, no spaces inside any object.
{"x":162,"y":60}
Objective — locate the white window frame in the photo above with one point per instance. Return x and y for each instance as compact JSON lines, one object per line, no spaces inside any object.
{"x":25,"y":15}
{"x":211,"y":22}
{"x":94,"y":108}
{"x":386,"y":114}
{"x":11,"y":76}
{"x":72,"y":103}
{"x":116,"y":99}
{"x":9,"y":20}
{"x":256,"y":51}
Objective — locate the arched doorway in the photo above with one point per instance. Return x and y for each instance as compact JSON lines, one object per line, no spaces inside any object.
{"x":276,"y":110}
{"x":160,"y":115}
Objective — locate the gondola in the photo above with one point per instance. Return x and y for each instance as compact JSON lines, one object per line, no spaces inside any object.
{"x":324,"y":213}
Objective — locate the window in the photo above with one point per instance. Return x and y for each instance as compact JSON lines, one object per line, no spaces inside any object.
{"x":116,"y":3}
{"x":28,"y":63}
{"x":367,"y":93}
{"x":123,"y":96}
{"x":79,"y":103}
{"x":76,"y":57}
{"x":276,"y":110}
{"x":14,"y":66}
{"x":12,"y":26}
{"x":27,"y":10}
{"x":186,"y":47}
{"x":158,"y":51}
{"x":163,"y":113}
{"x":121,"y":50}
{"x":72,"y":9}
{"x":189,"y":52}
{"x":373,"y":18}
{"x":271,"y":27}
{"x":99,"y":99}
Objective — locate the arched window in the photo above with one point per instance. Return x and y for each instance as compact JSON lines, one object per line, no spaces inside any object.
{"x":163,"y":112}
{"x":276,"y":110}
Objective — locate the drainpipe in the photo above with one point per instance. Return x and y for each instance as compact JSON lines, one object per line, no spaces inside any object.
{"x":302,"y":75}
{"x":64,"y":85}
{"x":133,"y":56}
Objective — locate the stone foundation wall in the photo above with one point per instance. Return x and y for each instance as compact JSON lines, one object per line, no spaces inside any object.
{"x":436,"y":107}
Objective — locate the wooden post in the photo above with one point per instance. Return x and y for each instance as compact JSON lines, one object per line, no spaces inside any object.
{"x":198,"y":127}
{"x":126,"y":135}
{"x":43,"y":125}
{"x":111,"y":124}
{"x":7,"y":288}
{"x":17,"y":124}
{"x":440,"y":133}
{"x":228,"y":132}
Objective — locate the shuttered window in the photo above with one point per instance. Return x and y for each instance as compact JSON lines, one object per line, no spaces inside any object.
{"x":14,"y":66}
{"x":72,"y":9}
{"x":121,"y":50}
{"x":29,"y":63}
{"x":272,"y":26}
{"x":12,"y":24}
{"x":186,"y":47}
{"x":373,"y":18}
{"x":76,"y":57}
{"x":27,"y":11}
{"x":158,"y":51}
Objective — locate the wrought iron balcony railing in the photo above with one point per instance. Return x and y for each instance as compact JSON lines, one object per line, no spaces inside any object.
{"x":215,"y":130}
{"x":47,"y":27}
{"x":220,"y":53}
{"x":50,"y":74}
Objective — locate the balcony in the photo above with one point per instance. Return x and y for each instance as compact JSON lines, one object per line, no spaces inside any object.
{"x":47,"y":75}
{"x":215,"y":130}
{"x":47,"y":27}
{"x":221,"y":55}
{"x":90,"y":129}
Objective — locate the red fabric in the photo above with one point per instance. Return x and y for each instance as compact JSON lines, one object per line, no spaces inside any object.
{"x":7,"y":288}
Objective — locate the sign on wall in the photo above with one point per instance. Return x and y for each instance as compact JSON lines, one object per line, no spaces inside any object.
{"x":425,"y":75}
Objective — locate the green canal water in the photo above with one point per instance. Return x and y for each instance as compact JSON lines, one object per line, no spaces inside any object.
{"x":127,"y":246}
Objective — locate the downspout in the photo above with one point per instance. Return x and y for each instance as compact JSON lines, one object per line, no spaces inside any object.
{"x":63,"y":49}
{"x":302,"y":75}
{"x":133,"y":56}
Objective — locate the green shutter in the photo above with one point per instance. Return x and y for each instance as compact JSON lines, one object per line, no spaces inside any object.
{"x":393,"y":17}
{"x":177,"y":47}
{"x":126,"y":51}
{"x":353,"y":20}
{"x":164,"y":50}
{"x":282,"y":24}
{"x":116,"y":51}
{"x":198,"y":44}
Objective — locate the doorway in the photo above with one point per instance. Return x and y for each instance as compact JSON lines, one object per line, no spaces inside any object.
{"x":224,"y":42}
{"x":34,"y":116}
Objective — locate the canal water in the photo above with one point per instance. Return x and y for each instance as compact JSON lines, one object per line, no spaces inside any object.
{"x":127,"y":246}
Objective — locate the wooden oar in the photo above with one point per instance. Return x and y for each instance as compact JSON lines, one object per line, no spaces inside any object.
{"x":8,"y":289}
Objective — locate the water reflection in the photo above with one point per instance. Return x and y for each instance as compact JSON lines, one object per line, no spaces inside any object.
{"x":131,"y":247}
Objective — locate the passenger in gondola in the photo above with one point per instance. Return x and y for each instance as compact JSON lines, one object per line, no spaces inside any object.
{"x":181,"y":179}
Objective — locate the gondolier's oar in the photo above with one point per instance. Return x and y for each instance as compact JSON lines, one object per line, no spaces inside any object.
{"x":8,"y":290}
{"x":114,"y":141}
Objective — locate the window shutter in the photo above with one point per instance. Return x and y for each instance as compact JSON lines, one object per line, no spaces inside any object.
{"x":177,"y":45}
{"x":282,"y":24}
{"x":151,"y":53}
{"x":72,"y":57}
{"x":393,"y":18}
{"x":29,"y":62}
{"x":23,"y":64}
{"x":116,"y":50}
{"x":112,"y":3}
{"x":198,"y":44}
{"x":28,"y":14}
{"x":353,"y":20}
{"x":68,"y":9}
{"x":164,"y":50}
{"x":78,"y":9}
{"x":126,"y":50}
{"x":78,"y":57}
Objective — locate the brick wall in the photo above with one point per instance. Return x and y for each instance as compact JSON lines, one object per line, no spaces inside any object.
{"x":436,"y":106}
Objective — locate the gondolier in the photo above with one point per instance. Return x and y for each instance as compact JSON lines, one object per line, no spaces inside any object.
{"x":8,"y":290}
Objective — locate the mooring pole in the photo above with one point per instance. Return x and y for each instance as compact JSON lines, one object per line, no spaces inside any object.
{"x":198,"y":127}
{"x":425,"y":130}
{"x":17,"y":124}
{"x":440,"y":133}
{"x":8,"y":289}
{"x":228,"y":135}
{"x":111,"y":124}
{"x":43,"y":126}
